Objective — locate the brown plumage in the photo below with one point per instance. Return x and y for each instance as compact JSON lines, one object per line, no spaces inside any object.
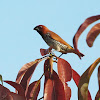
{"x":55,"y":41}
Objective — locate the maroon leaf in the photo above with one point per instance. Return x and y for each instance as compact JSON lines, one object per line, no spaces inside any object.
{"x":97,"y":96}
{"x":18,"y":87}
{"x":84,"y":81}
{"x":99,"y":77}
{"x":16,"y":96}
{"x":76,"y":78}
{"x":82,"y":27}
{"x":33,"y":90}
{"x":64,"y":70}
{"x":93,"y":33}
{"x":45,"y":51}
{"x":5,"y":93}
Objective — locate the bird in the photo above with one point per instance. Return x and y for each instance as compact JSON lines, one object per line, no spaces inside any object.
{"x":55,"y":41}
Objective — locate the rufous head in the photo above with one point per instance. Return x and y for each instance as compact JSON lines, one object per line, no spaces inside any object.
{"x":41,"y":28}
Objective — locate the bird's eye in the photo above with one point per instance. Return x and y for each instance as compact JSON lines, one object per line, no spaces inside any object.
{"x":40,"y":26}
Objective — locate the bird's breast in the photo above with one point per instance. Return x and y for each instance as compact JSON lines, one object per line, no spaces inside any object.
{"x":55,"y":44}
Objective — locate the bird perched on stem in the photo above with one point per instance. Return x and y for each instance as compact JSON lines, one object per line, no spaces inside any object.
{"x":55,"y":41}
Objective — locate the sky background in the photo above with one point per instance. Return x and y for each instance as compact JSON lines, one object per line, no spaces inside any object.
{"x":20,"y":44}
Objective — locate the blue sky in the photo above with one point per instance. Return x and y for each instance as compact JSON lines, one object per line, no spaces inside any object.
{"x":20,"y":44}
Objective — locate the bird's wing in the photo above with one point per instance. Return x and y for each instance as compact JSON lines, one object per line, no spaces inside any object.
{"x":58,"y":38}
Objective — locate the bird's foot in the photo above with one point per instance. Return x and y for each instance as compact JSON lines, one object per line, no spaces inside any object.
{"x":60,"y":55}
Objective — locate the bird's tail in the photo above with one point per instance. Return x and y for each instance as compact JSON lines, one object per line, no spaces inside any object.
{"x":79,"y":54}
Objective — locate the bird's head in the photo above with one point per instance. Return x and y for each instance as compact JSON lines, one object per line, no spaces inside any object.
{"x":41,"y":29}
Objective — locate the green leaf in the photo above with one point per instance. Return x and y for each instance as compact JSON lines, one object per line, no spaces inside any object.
{"x":1,"y":79}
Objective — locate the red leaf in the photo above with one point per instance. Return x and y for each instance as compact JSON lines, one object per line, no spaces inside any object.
{"x":48,"y":85}
{"x":93,"y":33}
{"x":48,"y":90}
{"x":48,"y":67}
{"x":58,"y":91}
{"x":28,"y":74}
{"x":64,"y":70}
{"x":33,"y":90}
{"x":66,"y":91}
{"x":76,"y":77}
{"x":45,"y":51}
{"x":82,"y":27}
{"x":65,"y":75}
{"x":18,"y":87}
{"x":24,"y":69}
{"x":54,"y":89}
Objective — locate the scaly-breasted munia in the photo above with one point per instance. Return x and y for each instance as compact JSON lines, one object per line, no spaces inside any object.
{"x":55,"y":41}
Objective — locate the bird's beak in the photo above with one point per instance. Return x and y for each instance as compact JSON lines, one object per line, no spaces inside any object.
{"x":36,"y":28}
